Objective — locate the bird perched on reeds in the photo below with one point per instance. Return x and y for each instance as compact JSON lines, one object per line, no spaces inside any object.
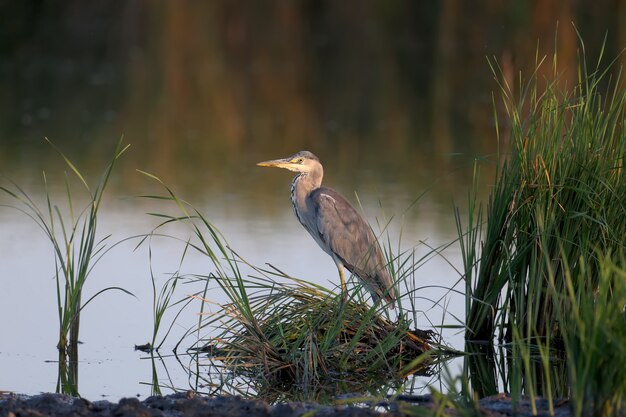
{"x":336,"y":226}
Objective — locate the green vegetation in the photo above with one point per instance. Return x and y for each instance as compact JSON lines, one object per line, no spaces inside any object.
{"x":550,"y":276}
{"x":303,"y":334}
{"x":73,"y":236}
{"x":161,"y":303}
{"x":559,"y":197}
{"x":593,"y":328}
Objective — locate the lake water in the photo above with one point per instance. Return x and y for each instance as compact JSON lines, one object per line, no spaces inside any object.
{"x":114,"y":322}
{"x":396,"y":101}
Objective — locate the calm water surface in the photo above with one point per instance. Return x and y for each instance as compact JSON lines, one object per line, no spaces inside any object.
{"x":260,"y":231}
{"x":395,"y":100}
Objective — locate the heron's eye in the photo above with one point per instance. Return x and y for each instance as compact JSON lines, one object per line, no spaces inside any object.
{"x":297,"y":160}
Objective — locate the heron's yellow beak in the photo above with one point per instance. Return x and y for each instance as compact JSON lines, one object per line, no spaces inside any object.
{"x":286,"y":163}
{"x":277,"y":163}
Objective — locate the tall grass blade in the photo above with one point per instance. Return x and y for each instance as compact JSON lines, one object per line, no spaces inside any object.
{"x":76,"y":250}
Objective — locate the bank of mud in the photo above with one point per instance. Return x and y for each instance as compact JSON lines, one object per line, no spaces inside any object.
{"x":189,"y":404}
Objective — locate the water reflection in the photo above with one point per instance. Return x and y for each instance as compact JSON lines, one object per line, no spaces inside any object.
{"x":492,"y":370}
{"x":393,"y":96}
{"x":208,"y":375}
{"x":396,"y":88}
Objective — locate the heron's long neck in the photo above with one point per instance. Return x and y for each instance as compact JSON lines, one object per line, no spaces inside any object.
{"x":302,"y":185}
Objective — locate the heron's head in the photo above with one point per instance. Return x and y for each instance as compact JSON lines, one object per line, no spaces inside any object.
{"x":303,"y":161}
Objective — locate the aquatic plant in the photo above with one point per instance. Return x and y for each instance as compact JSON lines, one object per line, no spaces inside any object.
{"x":77,"y":249}
{"x":302,"y":333}
{"x":541,"y":271}
{"x":558,"y":196}
{"x":162,"y":301}
{"x":592,"y":323}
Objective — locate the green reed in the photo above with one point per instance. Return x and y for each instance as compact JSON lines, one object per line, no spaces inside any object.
{"x":162,"y":302}
{"x":557,"y":210}
{"x":591,"y":305}
{"x":73,"y":235}
{"x":559,"y":196}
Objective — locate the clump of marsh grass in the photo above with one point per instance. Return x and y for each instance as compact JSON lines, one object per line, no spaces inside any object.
{"x":558,"y":197}
{"x":545,"y":280}
{"x":299,"y":331}
{"x":77,"y":249}
{"x":283,"y":331}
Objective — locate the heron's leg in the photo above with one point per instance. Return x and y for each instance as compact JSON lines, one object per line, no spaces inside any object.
{"x":344,"y":289}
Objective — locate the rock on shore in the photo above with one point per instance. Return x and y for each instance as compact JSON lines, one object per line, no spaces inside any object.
{"x":189,"y":404}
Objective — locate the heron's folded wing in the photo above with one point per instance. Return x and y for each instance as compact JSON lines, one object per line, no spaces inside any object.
{"x":344,"y":230}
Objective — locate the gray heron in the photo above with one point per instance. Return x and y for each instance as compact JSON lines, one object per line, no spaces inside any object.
{"x":336,"y":226}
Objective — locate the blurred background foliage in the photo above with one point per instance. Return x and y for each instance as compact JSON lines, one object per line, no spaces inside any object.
{"x":204,"y":88}
{"x":394,"y":96}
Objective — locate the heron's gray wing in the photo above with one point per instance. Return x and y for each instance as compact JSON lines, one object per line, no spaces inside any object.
{"x":350,"y":238}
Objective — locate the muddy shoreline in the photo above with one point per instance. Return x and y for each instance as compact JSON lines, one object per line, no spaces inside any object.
{"x":189,"y":404}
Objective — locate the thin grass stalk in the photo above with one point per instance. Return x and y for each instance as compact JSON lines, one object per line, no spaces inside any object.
{"x":74,"y":243}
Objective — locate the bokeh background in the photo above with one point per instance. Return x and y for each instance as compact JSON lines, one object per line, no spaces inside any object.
{"x":210,"y":86}
{"x":395,"y":97}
